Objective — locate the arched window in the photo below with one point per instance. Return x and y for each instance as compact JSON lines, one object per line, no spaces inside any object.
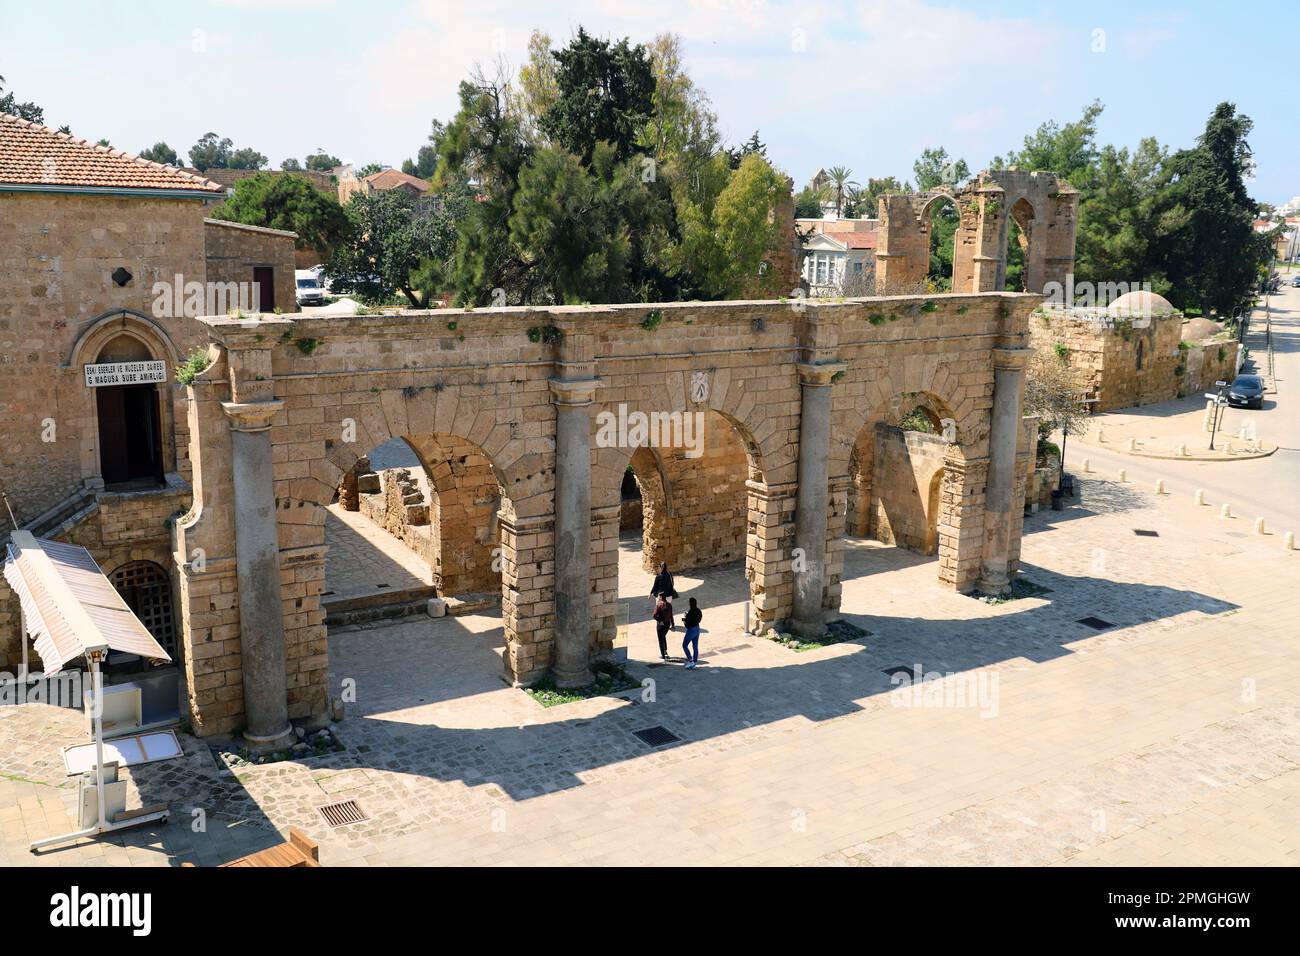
{"x":130,"y":421}
{"x":1141,"y":354}
{"x":147,"y":591}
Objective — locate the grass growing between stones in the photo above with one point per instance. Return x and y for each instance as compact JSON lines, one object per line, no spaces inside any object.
{"x":1020,"y":588}
{"x":837,"y":632}
{"x":610,"y":679}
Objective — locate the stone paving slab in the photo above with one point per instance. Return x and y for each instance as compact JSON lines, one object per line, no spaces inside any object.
{"x":792,"y":757}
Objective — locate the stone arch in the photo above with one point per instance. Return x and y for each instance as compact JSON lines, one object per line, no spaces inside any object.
{"x":127,"y":322}
{"x":658,"y":526}
{"x":126,"y":335}
{"x":1024,"y":217}
{"x":609,"y":465}
{"x":467,"y":494}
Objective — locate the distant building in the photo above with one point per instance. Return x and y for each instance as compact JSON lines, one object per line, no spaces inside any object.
{"x":349,"y":184}
{"x":839,"y":256}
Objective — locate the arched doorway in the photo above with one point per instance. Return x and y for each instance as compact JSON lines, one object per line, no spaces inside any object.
{"x":130,"y":422}
{"x":940,"y":217}
{"x":898,"y":466}
{"x":1021,"y":267}
{"x":147,"y":590}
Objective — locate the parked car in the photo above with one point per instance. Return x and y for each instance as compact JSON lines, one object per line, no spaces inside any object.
{"x":1295,"y":282}
{"x":1246,"y":391}
{"x":309,"y":291}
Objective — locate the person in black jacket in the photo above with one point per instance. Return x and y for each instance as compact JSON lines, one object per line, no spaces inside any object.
{"x":691,"y":643}
{"x":663,"y":618}
{"x":663,"y":583}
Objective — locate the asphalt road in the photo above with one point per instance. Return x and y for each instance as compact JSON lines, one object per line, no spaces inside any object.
{"x":1260,"y":487}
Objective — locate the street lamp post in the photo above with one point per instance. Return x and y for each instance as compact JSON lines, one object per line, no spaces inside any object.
{"x":1219,"y":402}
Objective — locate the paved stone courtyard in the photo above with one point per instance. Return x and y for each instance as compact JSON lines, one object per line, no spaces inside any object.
{"x":1172,"y":737}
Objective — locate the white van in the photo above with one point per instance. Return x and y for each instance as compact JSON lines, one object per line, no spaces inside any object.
{"x":309,"y":291}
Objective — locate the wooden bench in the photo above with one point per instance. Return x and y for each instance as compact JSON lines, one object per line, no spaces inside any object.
{"x":299,"y":850}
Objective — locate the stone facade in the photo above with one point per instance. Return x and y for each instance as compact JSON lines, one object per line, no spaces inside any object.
{"x":65,"y":304}
{"x":792,"y":387}
{"x":1044,"y":207}
{"x":1135,"y":362}
{"x":233,"y":251}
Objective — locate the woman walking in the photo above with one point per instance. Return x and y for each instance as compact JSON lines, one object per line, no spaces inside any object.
{"x":691,"y":643}
{"x":663,"y":618}
{"x":663,"y":583}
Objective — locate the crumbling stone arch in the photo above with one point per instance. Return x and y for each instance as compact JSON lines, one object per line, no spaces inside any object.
{"x":1044,"y":207}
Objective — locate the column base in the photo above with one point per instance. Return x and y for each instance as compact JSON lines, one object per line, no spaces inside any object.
{"x":262,"y":743}
{"x":568,"y":680}
{"x":993,"y":583}
{"x":807,"y":630}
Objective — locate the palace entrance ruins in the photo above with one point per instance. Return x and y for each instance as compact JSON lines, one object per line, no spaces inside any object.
{"x":526,"y":420}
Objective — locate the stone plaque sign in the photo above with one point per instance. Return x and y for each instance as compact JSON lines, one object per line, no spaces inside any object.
{"x":125,"y":373}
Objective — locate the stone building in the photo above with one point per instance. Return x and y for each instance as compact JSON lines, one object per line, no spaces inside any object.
{"x":104,"y":264}
{"x":1137,"y":350}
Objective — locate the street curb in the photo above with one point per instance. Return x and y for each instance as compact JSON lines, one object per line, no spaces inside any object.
{"x":1171,"y":456}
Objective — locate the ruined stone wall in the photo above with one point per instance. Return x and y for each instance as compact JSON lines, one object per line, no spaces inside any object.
{"x":1107,"y":354}
{"x":393,"y":500}
{"x":906,"y":488}
{"x":491,"y":381}
{"x":464,"y":499}
{"x":707,"y":515}
{"x":233,"y":250}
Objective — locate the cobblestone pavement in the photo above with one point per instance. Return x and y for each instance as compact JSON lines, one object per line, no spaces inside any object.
{"x":1171,"y":736}
{"x":365,"y":559}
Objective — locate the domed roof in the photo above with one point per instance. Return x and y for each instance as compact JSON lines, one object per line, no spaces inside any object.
{"x":1198,"y":330}
{"x":1140,"y":302}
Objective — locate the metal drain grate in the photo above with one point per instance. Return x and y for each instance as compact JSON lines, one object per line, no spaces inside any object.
{"x":1144,"y":533}
{"x":342,"y":813}
{"x":1096,"y":623}
{"x":656,"y":736}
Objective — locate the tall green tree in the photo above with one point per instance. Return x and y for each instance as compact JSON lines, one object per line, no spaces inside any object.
{"x":1213,"y":259}
{"x":393,"y":245}
{"x":323,"y":162}
{"x":26,"y":110}
{"x":160,"y":152}
{"x":605,"y":95}
{"x":288,"y":202}
{"x":213,"y":152}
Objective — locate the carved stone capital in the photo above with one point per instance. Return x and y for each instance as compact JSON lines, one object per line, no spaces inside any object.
{"x":573,"y":391}
{"x":819,"y":374}
{"x":251,"y":416}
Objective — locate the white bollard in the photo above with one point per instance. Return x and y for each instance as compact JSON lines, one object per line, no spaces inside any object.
{"x":1087,"y":467}
{"x":1288,"y":541}
{"x":1123,"y":475}
{"x":1229,"y":448}
{"x":1160,"y":486}
{"x":1182,"y":451}
{"x":1200,"y":496}
{"x":1101,"y":434}
{"x":1259,"y":526}
{"x":1225,"y":512}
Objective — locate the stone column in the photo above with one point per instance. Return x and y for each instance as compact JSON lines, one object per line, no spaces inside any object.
{"x":812,"y":498}
{"x":1008,"y":397}
{"x":257,"y":556}
{"x":572,"y":399}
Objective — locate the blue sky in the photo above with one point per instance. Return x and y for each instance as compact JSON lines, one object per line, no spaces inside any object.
{"x":865,"y":84}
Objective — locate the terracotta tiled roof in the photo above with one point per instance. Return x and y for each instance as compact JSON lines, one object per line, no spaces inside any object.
{"x":35,"y":155}
{"x":392,"y":178}
{"x":857,"y":240}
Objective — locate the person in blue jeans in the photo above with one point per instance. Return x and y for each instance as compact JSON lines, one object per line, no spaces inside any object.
{"x":691,"y":643}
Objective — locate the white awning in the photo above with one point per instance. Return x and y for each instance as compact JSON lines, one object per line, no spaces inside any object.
{"x":69,"y":605}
